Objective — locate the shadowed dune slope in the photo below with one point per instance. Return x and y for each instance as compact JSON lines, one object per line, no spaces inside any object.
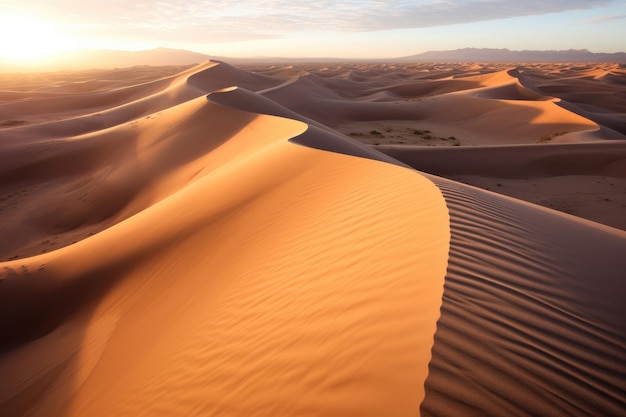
{"x":84,"y":184}
{"x":532,"y":315}
{"x":606,"y":158}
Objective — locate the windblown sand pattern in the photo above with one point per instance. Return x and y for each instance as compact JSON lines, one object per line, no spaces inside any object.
{"x":526,"y":327}
{"x":231,"y":241}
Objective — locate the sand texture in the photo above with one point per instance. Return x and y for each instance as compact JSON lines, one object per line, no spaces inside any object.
{"x":299,"y":241}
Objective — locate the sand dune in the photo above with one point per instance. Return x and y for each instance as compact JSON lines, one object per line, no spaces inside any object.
{"x":475,"y":108}
{"x":531,"y":322}
{"x":231,"y":241}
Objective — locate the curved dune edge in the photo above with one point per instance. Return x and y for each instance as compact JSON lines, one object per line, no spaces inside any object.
{"x":316,"y":136}
{"x":532,"y":315}
{"x":275,"y":280}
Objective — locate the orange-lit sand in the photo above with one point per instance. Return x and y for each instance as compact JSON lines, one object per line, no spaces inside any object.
{"x":223,"y":241}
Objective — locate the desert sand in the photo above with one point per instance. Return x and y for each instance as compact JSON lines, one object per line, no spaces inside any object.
{"x":314,"y":239}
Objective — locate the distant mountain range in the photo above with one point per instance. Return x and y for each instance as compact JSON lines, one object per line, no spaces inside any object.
{"x":506,"y":55}
{"x":88,"y":59}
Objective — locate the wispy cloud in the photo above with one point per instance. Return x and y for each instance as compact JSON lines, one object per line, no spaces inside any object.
{"x":601,"y":19}
{"x":228,"y":20}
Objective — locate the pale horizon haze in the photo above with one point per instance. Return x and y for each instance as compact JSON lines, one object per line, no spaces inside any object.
{"x":348,"y":29}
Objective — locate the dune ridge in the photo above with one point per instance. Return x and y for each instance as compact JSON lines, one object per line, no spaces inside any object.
{"x":232,"y":241}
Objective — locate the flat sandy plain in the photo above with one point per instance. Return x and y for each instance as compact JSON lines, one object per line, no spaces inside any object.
{"x":314,"y":240}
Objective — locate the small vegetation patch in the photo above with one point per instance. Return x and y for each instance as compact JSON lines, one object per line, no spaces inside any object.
{"x":429,"y":136}
{"x":393,"y":134}
{"x":419,"y":132}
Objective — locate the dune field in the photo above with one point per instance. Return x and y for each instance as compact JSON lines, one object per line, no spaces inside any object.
{"x":314,"y":240}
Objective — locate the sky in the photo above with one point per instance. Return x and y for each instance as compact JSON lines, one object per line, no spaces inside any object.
{"x":322,"y":28}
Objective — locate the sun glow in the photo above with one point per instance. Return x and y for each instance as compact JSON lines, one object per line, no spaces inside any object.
{"x":27,"y":39}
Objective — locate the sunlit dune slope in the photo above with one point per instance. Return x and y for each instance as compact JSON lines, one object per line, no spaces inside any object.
{"x":242,"y":274}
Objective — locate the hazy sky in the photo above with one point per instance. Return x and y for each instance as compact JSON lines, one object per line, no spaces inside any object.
{"x":380,"y":28}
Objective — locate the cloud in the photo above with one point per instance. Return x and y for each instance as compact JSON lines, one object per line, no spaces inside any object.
{"x":600,"y":19}
{"x":228,"y":20}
